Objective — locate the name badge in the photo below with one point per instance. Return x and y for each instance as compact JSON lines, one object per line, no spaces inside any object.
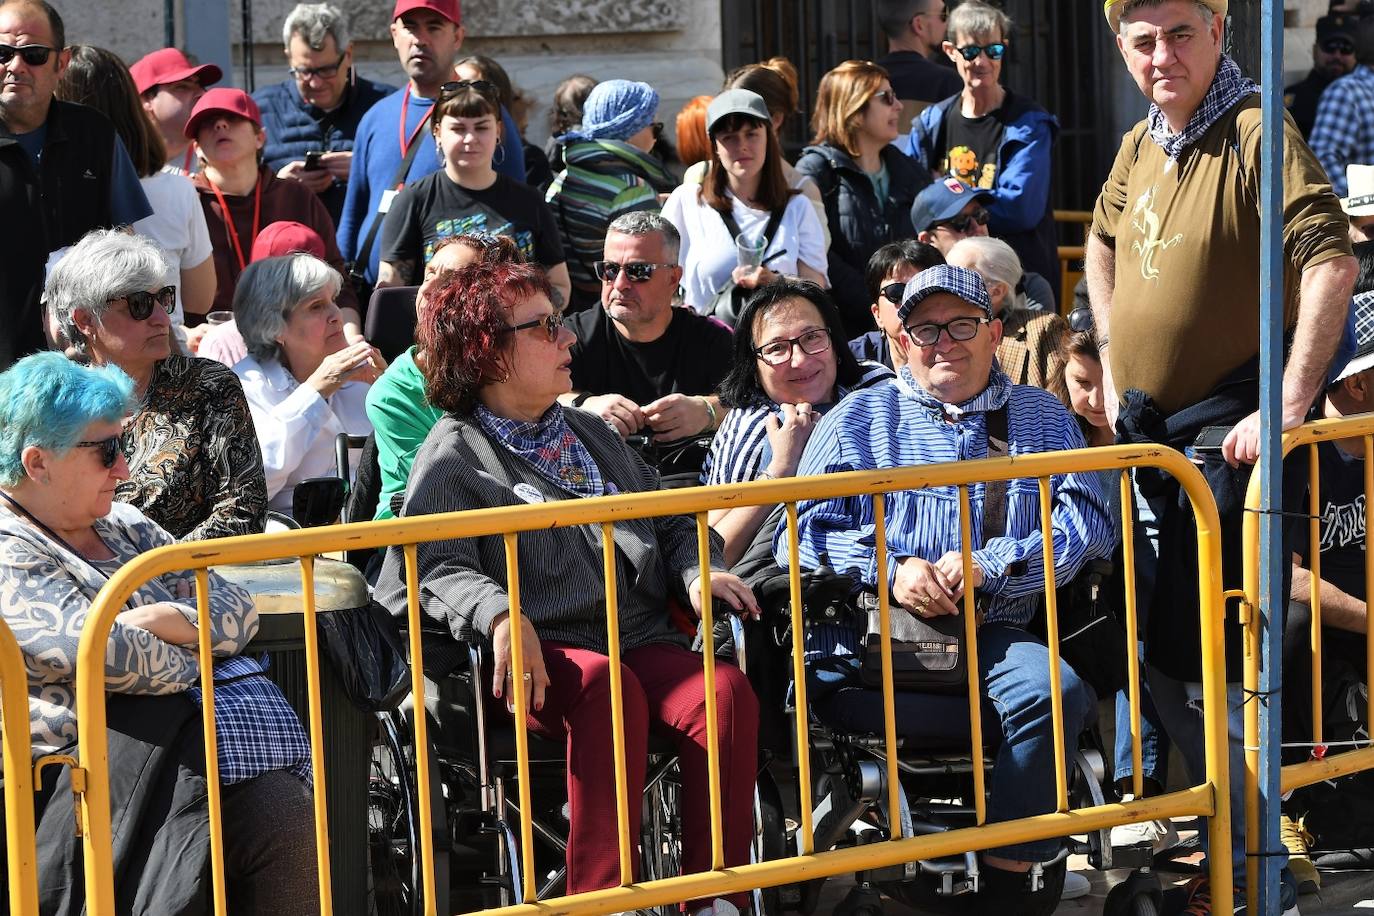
{"x":528,"y":492}
{"x":388,"y":197}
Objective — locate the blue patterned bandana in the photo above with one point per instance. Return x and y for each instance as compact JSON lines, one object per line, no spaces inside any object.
{"x":550,"y":446}
{"x":1228,"y":88}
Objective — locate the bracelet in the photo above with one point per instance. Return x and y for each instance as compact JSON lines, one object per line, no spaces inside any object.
{"x":581,"y":398}
{"x":710,"y":412}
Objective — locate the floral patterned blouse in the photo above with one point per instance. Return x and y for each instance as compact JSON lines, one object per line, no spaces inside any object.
{"x":195,"y":465}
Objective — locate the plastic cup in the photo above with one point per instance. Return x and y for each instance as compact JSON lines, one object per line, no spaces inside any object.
{"x":220,"y":317}
{"x":750,"y":251}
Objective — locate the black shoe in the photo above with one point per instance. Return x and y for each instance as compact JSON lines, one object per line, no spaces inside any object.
{"x":1003,"y":892}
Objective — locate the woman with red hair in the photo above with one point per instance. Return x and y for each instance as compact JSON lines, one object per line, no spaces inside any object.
{"x":498,"y":357}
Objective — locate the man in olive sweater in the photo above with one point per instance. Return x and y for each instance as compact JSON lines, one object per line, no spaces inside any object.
{"x":1172,"y":265}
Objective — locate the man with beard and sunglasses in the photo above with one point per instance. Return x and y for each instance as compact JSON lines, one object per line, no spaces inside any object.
{"x":63,"y":171}
{"x":640,"y":363}
{"x":1333,"y":56}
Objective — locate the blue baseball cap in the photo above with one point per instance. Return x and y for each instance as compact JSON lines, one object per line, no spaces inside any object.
{"x":942,"y":278}
{"x":942,"y":200}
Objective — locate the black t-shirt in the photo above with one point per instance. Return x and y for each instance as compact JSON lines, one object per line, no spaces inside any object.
{"x":1342,"y":520}
{"x":436,"y":207}
{"x":971,"y":146}
{"x":692,"y":357}
{"x":917,"y":78}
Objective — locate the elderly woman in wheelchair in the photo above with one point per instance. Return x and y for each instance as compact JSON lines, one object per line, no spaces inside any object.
{"x":499,"y":357}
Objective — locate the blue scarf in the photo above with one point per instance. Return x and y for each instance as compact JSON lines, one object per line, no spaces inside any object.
{"x":995,"y":395}
{"x":551,"y":448}
{"x":1228,"y":87}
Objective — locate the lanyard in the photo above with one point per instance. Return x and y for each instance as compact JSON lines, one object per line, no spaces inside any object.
{"x":190,"y":153}
{"x":229,"y":220}
{"x":401,"y":128}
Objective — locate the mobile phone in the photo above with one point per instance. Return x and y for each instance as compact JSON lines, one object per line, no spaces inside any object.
{"x":1211,"y":438}
{"x":312,"y":160}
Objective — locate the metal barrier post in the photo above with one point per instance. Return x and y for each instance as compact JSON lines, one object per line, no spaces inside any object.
{"x":21,"y":859}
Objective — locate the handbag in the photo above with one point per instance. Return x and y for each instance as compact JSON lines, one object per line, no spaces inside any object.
{"x":930,"y":657}
{"x":368,"y":654}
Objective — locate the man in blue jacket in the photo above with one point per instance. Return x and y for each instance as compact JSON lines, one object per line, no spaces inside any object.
{"x":317,"y":108}
{"x":427,"y":35}
{"x":989,"y":137}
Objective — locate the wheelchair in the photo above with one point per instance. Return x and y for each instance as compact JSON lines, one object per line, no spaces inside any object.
{"x":850,"y":795}
{"x":475,"y":807}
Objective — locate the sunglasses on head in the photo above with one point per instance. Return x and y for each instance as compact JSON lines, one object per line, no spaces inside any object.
{"x":33,"y":55}
{"x":1081,"y":320}
{"x":141,"y":302}
{"x":552,"y":323}
{"x":482,"y":87}
{"x":963,"y":224}
{"x":994,"y":51}
{"x":109,"y":449}
{"x":637,"y":271}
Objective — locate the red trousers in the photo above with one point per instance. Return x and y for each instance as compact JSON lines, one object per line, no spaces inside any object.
{"x":664,"y":690}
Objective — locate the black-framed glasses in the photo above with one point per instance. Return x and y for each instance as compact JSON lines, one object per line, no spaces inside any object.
{"x":302,"y":74}
{"x":1081,"y":320}
{"x":964,"y":224}
{"x":893,"y":292}
{"x":141,"y":302}
{"x":637,"y":271}
{"x":886,"y":96}
{"x":109,"y":449}
{"x":1338,"y":46}
{"x":777,"y":352}
{"x":482,"y":87}
{"x":552,"y":323}
{"x":994,"y":51}
{"x":960,"y":329}
{"x":33,"y":55}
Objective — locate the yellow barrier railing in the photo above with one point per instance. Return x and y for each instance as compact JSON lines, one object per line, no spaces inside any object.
{"x":22,"y":864}
{"x":1323,"y":766}
{"x":1070,"y":255}
{"x":1208,"y":799}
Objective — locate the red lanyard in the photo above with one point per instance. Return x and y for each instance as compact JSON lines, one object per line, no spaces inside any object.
{"x":401,"y":129}
{"x":190,"y":152}
{"x":229,"y":220}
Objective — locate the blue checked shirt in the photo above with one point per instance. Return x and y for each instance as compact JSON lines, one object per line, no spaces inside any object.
{"x":1344,"y":130}
{"x":256,"y":730}
{"x":900,"y":424}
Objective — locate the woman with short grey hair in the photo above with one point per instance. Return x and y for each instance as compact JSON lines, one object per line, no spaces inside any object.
{"x":194,"y":464}
{"x":305,"y":383}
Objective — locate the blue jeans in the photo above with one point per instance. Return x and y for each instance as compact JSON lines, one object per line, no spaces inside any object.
{"x":1016,"y":683}
{"x":1154,"y":740}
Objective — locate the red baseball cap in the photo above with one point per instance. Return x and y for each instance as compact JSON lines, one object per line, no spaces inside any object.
{"x":233,"y":101}
{"x":171,"y":66}
{"x":286,"y":237}
{"x":449,"y":9}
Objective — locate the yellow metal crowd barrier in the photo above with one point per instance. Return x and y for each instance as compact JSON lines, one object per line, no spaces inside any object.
{"x":1209,"y":799}
{"x":1071,"y":255}
{"x":1322,"y":766}
{"x":22,"y":864}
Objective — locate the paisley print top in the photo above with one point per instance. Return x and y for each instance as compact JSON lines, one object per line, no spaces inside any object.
{"x":194,"y":460}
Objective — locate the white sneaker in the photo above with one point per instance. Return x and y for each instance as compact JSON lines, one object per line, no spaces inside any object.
{"x":1075,"y":886}
{"x":718,"y":907}
{"x":1161,"y":835}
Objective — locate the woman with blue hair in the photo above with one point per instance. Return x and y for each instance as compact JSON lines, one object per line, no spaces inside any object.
{"x":62,"y":536}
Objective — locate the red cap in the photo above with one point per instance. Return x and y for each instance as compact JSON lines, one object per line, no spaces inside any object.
{"x":233,"y":101}
{"x":286,"y":237}
{"x":171,"y":66}
{"x":449,"y":9}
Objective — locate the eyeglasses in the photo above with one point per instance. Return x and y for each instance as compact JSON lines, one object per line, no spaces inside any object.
{"x":637,"y":271}
{"x":141,"y":302}
{"x":942,"y":15}
{"x":1081,"y":320}
{"x":777,"y":352}
{"x":886,"y":96}
{"x":964,"y":224}
{"x":658,"y":130}
{"x":1338,"y":46}
{"x":33,"y":55}
{"x":304,"y":74}
{"x":960,"y":329}
{"x":109,"y":449}
{"x":482,"y":87}
{"x":552,"y":323}
{"x":893,"y":292}
{"x":994,"y":51}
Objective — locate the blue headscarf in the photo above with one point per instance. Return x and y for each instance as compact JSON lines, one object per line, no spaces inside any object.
{"x":615,"y":110}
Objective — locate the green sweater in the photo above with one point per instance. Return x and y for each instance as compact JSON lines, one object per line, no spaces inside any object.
{"x":401,"y":419}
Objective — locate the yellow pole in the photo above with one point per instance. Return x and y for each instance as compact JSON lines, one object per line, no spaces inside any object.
{"x":1369,"y":561}
{"x":800,"y":719}
{"x":21,"y":858}
{"x":1132,"y":633}
{"x":316,"y":706}
{"x":1314,"y":564}
{"x":975,"y":681}
{"x":894,"y":786}
{"x":212,"y":786}
{"x":417,"y":693}
{"x":708,"y":648}
{"x":519,"y":694}
{"x":622,"y":811}
{"x":1061,"y":780}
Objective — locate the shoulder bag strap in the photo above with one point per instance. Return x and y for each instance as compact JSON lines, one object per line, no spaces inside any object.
{"x":995,"y":491}
{"x":397,"y":180}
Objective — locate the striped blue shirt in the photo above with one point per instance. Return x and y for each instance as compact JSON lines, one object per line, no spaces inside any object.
{"x":900,"y":424}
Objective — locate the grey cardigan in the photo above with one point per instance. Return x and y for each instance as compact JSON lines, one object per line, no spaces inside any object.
{"x":463,"y":581}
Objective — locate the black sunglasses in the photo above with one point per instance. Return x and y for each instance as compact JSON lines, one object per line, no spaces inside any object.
{"x":33,"y":55}
{"x":483,"y":87}
{"x":963,"y":224}
{"x":637,"y":271}
{"x":886,"y":96}
{"x":141,"y":302}
{"x":658,"y":130}
{"x":1081,"y":320}
{"x":893,"y":292}
{"x":994,"y":51}
{"x":1338,"y":46}
{"x":109,"y":449}
{"x":302,"y":74}
{"x":552,"y":323}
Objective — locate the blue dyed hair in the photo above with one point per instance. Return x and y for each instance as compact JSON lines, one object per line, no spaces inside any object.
{"x":47,"y":400}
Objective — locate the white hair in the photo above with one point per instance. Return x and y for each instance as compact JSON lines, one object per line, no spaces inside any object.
{"x":993,"y":260}
{"x":106,"y":264}
{"x":313,"y":21}
{"x":268,"y":292}
{"x":1130,"y":6}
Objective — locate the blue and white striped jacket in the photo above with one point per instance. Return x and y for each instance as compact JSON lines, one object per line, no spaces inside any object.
{"x":901,"y":424}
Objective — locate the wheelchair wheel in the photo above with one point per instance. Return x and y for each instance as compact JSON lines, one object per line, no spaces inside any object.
{"x":770,"y":842}
{"x":393,"y":825}
{"x":1138,"y":895}
{"x":661,"y":832}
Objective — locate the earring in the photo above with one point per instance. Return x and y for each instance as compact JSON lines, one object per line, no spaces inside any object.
{"x":500,"y":156}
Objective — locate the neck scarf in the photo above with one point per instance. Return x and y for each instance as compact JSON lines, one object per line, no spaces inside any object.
{"x":550,"y":446}
{"x":1228,"y":87}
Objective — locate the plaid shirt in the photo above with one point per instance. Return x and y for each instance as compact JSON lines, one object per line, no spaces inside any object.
{"x":1344,"y":130}
{"x":1228,"y":87}
{"x":256,"y":730}
{"x":550,"y":446}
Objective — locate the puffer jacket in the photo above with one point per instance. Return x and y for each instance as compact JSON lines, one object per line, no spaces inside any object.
{"x":859,"y":223}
